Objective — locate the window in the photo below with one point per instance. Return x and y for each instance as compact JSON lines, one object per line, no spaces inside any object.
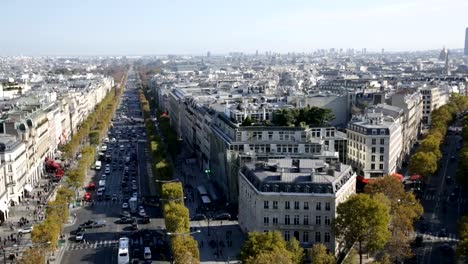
{"x":327,"y":220}
{"x":305,"y":237}
{"x":318,"y":207}
{"x":275,"y":204}
{"x":306,"y":205}
{"x":296,"y":220}
{"x":381,"y":166}
{"x":275,"y":220}
{"x":372,"y":166}
{"x":326,"y":237}
{"x":306,"y":220}
{"x":287,"y":220}
{"x":317,"y":237}
{"x":296,"y":205}
{"x":373,"y":149}
{"x":382,"y":131}
{"x":382,"y":149}
{"x":266,"y":220}
{"x":287,"y":235}
{"x":327,"y":206}
{"x":318,"y":220}
{"x":381,"y":157}
{"x":374,"y":141}
{"x":266,"y":204}
{"x":286,"y":205}
{"x":382,"y":141}
{"x":270,"y":135}
{"x":373,"y":158}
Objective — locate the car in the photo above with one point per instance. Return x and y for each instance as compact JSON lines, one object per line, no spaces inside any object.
{"x":25,"y":230}
{"x":134,"y":226}
{"x":106,"y":140}
{"x":114,"y":197}
{"x":224,"y":216}
{"x":79,"y":236}
{"x":141,"y":207}
{"x":98,"y":223}
{"x":87,"y":224}
{"x":99,"y":193}
{"x":125,"y":206}
{"x":113,"y":140}
{"x":80,"y":229}
{"x":125,"y":214}
{"x":125,"y":220}
{"x":134,"y":187}
{"x":107,"y":166}
{"x":107,"y":171}
{"x":199,"y":217}
{"x":102,"y":189}
{"x":103,"y":177}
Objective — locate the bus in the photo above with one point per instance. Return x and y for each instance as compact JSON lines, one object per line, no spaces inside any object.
{"x":123,"y":254}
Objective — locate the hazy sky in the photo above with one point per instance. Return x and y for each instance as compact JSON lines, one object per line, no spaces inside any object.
{"x":139,"y":27}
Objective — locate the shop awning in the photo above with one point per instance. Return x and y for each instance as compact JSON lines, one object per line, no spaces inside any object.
{"x":398,"y":175}
{"x":416,"y":177}
{"x":28,"y":187}
{"x":362,"y":179}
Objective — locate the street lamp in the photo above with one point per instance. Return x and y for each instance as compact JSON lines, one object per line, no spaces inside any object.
{"x":183,"y":234}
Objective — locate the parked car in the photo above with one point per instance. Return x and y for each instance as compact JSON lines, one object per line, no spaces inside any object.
{"x":25,"y":230}
{"x":224,"y":216}
{"x":199,"y":217}
{"x":125,"y":206}
{"x":80,"y":229}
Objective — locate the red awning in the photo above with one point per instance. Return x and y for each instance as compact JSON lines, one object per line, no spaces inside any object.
{"x":398,"y":175}
{"x":362,"y":179}
{"x":416,"y":177}
{"x":92,"y":184}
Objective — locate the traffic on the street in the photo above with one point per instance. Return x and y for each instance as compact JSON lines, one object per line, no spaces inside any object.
{"x":120,"y":220}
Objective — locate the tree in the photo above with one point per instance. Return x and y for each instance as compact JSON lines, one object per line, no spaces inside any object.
{"x":173,"y":191}
{"x":164,"y":170}
{"x":364,"y":221}
{"x":176,"y":217}
{"x":247,"y":122}
{"x":33,"y":256}
{"x":319,"y":255}
{"x":405,"y":209}
{"x":462,"y":250}
{"x":266,"y":243}
{"x":185,"y":249}
{"x":431,"y":144}
{"x":276,"y":256}
{"x":423,"y":163}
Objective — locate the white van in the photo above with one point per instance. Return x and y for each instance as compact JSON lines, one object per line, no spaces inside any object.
{"x":97,"y":166}
{"x":147,"y":253}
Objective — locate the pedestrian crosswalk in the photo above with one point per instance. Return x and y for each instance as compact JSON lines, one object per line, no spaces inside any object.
{"x":434,"y":238}
{"x":92,"y":244}
{"x":438,"y":199}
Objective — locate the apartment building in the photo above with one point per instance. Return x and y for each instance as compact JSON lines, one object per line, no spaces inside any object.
{"x":297,"y":197}
{"x":433,"y":98}
{"x":412,"y":105}
{"x":374,"y":144}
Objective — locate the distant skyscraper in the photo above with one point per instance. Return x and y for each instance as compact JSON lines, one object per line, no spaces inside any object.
{"x":208,"y":54}
{"x":256,"y":53}
{"x":466,"y":41}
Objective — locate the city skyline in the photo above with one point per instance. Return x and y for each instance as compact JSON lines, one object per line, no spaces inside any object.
{"x":180,"y":27}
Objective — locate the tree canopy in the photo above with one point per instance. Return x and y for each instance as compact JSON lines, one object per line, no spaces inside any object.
{"x":260,"y":245}
{"x":312,"y":116}
{"x":364,"y":221}
{"x":319,"y":255}
{"x":423,"y":163}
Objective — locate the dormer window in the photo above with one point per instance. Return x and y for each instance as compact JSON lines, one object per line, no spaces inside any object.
{"x":382,"y":131}
{"x":374,"y":131}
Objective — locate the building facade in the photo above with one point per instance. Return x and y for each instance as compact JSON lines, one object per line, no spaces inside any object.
{"x":298,"y":197}
{"x":374,"y":144}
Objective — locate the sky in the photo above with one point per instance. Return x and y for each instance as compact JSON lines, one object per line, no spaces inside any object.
{"x":155,"y":27}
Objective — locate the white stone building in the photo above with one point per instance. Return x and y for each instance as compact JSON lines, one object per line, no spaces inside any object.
{"x":433,"y":98}
{"x":374,"y":144}
{"x":298,"y":197}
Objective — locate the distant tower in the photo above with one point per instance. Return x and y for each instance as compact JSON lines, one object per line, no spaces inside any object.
{"x":208,"y":54}
{"x":443,"y":54}
{"x":383,"y":51}
{"x":466,"y":42}
{"x":447,"y":72}
{"x":256,"y":53}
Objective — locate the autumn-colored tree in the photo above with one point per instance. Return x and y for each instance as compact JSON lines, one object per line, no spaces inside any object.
{"x":173,"y":191}
{"x":405,"y":209}
{"x":267,"y":243}
{"x":364,"y":221}
{"x":185,"y":249}
{"x":462,"y":249}
{"x":176,"y":217}
{"x":33,"y":256}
